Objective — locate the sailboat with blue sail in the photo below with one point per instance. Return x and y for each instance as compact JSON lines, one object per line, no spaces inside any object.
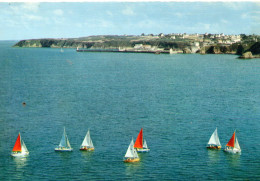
{"x":64,"y":143}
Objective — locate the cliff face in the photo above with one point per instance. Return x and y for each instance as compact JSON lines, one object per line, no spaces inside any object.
{"x":255,"y":48}
{"x":222,"y":49}
{"x":53,"y":43}
{"x":252,"y":52}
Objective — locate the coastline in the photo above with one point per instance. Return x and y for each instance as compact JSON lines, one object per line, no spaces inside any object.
{"x":244,"y":46}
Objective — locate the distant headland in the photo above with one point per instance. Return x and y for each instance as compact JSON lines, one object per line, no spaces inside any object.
{"x":246,"y":46}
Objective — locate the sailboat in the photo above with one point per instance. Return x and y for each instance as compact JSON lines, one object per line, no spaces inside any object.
{"x":64,"y":143}
{"x":214,"y":142}
{"x":61,"y":50}
{"x":140,"y":143}
{"x":131,"y":154}
{"x":19,"y":150}
{"x":233,"y":146}
{"x":87,"y":143}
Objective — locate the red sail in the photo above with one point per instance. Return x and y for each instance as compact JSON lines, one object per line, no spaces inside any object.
{"x":231,"y":142}
{"x":17,"y":145}
{"x":139,"y":140}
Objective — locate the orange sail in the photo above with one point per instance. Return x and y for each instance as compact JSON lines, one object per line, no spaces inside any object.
{"x":17,"y":145}
{"x":231,"y":142}
{"x":139,"y":140}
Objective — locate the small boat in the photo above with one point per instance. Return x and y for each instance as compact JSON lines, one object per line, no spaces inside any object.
{"x":140,"y":143}
{"x":131,"y":154}
{"x":233,"y":146}
{"x":87,"y":144}
{"x":64,"y":143}
{"x":214,"y":142}
{"x":19,"y":150}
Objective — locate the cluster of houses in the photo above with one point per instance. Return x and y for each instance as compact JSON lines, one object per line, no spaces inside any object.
{"x":206,"y":38}
{"x":196,"y":41}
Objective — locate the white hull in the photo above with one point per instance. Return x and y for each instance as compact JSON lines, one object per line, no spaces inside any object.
{"x":142,"y":150}
{"x":233,"y":151}
{"x":21,"y":154}
{"x":63,"y":149}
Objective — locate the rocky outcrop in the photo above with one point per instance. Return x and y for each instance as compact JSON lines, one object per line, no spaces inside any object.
{"x":186,"y":51}
{"x":252,"y":52}
{"x":247,"y":55}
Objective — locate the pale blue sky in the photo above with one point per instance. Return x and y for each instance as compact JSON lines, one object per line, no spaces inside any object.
{"x":68,"y":20}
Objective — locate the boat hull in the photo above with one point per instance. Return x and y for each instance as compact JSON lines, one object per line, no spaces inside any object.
{"x":130,"y":160}
{"x":86,"y":149}
{"x":214,"y":147}
{"x":20,"y":154}
{"x":232,"y":151}
{"x":142,"y":150}
{"x":63,"y":149}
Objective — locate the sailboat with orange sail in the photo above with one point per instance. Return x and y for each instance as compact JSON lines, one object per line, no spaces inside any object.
{"x":19,"y":149}
{"x":140,"y":143}
{"x":233,"y":146}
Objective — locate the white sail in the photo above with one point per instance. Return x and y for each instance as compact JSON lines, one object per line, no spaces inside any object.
{"x":87,"y":141}
{"x":91,"y":143}
{"x":145,"y":144}
{"x":237,"y":144}
{"x":131,"y":152}
{"x":214,"y":139}
{"x":64,"y":142}
{"x":135,"y":152}
{"x":24,"y":148}
{"x":67,"y":142}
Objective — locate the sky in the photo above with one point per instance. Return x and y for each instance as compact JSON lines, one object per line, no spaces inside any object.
{"x":29,"y":20}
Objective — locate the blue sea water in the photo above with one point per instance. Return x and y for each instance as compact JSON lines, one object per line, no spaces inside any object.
{"x":178,"y":100}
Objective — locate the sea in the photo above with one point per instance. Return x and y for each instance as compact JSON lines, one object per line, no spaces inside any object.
{"x":178,"y":100}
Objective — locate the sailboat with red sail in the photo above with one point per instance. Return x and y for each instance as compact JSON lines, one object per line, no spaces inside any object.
{"x":140,"y":143}
{"x":233,"y":146}
{"x":19,"y":149}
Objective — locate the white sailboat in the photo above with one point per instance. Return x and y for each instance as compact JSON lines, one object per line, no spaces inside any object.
{"x":131,"y":154}
{"x":20,"y":149}
{"x":233,"y":146}
{"x":61,"y":50}
{"x":214,"y":142}
{"x":64,"y":143}
{"x":87,"y":143}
